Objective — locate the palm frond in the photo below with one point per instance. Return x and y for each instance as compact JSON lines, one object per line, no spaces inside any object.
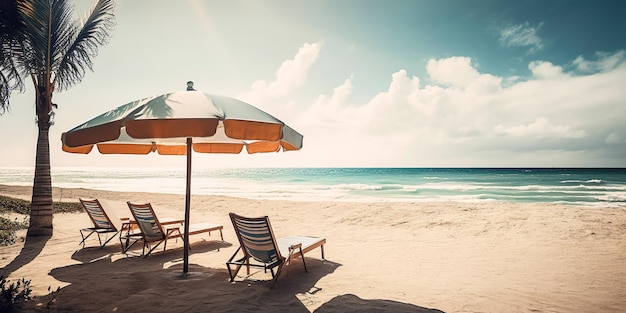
{"x":9,"y":52}
{"x":94,"y":33}
{"x":63,"y":29}
{"x":9,"y":55}
{"x":10,"y":80}
{"x":35,"y":16}
{"x":40,"y":39}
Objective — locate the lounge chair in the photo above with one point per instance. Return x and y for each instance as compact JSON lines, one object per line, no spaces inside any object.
{"x":104,"y":222}
{"x":257,"y":242}
{"x":153,"y":233}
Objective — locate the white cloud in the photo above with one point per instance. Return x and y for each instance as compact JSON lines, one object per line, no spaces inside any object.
{"x":454,"y":71}
{"x":522,"y":35}
{"x":542,"y":69}
{"x":613,"y":139}
{"x":541,"y":128}
{"x":458,"y":116}
{"x":291,"y":74}
{"x":605,"y":61}
{"x":331,"y":111}
{"x":471,"y":119}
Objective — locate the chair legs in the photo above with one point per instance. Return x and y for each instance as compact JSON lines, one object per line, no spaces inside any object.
{"x":91,"y":231}
{"x":154,"y":247}
{"x":148,"y":245}
{"x":238,"y":264}
{"x":125,"y":241}
{"x":291,"y":255}
{"x":234,"y":265}
{"x":275,"y":277}
{"x":288,"y":261}
{"x":85,"y":237}
{"x":107,"y":241}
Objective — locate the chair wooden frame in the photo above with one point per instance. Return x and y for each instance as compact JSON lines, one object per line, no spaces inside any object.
{"x":257,"y":242}
{"x":153,"y":233}
{"x":103,"y":222}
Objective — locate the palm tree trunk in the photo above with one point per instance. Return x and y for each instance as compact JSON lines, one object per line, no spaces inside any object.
{"x":41,"y":204}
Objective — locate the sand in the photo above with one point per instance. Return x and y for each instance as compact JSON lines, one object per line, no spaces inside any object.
{"x":380,"y":257}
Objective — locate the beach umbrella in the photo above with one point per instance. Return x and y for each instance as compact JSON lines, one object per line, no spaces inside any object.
{"x":177,"y":123}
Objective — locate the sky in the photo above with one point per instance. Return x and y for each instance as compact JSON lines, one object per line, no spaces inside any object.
{"x":369,"y":83}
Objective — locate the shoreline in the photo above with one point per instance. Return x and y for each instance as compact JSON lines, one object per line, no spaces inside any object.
{"x":61,"y":193}
{"x":390,"y":256}
{"x":586,"y":187}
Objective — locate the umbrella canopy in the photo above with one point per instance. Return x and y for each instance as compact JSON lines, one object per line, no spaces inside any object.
{"x":162,"y":123}
{"x":176,"y":123}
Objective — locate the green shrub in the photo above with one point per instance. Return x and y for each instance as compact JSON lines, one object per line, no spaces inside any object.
{"x":8,"y":204}
{"x":67,"y":207}
{"x":13,"y":295}
{"x":8,"y":229}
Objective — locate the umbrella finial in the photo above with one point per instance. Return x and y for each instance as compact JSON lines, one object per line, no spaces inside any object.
{"x":190,"y":85}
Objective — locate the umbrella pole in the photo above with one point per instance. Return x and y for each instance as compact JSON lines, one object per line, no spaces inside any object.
{"x":187,"y":209}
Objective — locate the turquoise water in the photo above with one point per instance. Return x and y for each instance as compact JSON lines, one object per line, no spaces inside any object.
{"x":596,"y":187}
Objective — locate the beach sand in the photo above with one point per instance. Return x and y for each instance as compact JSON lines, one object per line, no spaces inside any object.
{"x":380,"y":257}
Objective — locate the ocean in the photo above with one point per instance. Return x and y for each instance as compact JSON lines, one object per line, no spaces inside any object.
{"x":573,"y":186}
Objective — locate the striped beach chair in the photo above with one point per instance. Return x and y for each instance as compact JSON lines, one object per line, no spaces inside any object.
{"x":153,"y":232}
{"x":258,"y":243}
{"x":104,"y":223}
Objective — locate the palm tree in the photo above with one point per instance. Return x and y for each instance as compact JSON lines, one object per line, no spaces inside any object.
{"x":40,"y":39}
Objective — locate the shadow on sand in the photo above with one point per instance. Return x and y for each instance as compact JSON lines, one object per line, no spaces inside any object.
{"x":31,"y":249}
{"x":351,"y":303}
{"x":107,"y":281}
{"x":90,"y":254}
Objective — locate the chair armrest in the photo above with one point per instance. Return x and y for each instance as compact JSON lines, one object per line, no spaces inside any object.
{"x":296,"y":246}
{"x":171,"y":230}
